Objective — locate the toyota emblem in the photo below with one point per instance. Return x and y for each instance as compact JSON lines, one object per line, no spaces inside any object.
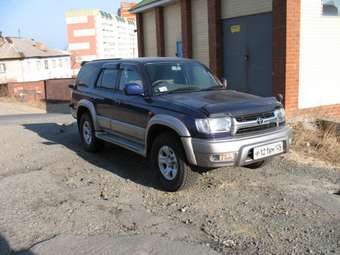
{"x":260,"y":121}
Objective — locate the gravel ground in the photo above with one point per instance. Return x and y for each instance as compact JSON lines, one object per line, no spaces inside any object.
{"x":9,"y":107}
{"x":57,"y":199}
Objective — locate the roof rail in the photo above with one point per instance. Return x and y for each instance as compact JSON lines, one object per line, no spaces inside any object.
{"x":97,"y":60}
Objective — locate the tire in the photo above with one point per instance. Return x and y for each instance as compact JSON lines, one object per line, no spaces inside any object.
{"x":169,"y":179}
{"x":256,"y":165}
{"x":87,"y":133}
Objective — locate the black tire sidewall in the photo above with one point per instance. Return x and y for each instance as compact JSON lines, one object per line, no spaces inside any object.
{"x":92,"y":146}
{"x":172,"y":142}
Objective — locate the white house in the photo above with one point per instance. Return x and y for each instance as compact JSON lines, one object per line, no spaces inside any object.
{"x":23,"y":59}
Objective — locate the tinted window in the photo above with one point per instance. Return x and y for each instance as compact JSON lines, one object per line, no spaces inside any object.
{"x":107,"y":79}
{"x":129,"y":76}
{"x":171,"y":77}
{"x":331,"y":7}
{"x":87,"y":76}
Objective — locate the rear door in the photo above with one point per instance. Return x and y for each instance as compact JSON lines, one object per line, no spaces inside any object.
{"x":104,"y":98}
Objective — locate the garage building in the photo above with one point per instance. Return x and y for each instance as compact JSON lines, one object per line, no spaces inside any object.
{"x":264,"y":47}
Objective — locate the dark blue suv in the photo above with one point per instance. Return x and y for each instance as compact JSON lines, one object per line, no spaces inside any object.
{"x":178,"y":114}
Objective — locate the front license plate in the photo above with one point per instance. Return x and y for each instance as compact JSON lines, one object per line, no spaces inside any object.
{"x":268,"y":150}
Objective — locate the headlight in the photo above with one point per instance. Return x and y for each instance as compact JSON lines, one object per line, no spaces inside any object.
{"x":213,"y":125}
{"x":280,"y":114}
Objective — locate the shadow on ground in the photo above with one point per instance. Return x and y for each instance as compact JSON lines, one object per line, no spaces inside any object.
{"x":112,"y":158}
{"x":5,"y":248}
{"x":54,"y":107}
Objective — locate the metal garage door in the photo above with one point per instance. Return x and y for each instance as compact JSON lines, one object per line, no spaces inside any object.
{"x":149,"y":31}
{"x":200,"y":34}
{"x":172,"y":28}
{"x":248,"y":53}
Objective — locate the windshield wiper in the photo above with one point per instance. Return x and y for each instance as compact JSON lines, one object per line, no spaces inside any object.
{"x":213,"y":88}
{"x":186,"y":89}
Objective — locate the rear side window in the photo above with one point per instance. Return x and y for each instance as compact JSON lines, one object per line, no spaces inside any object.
{"x":107,"y":79}
{"x":87,"y":76}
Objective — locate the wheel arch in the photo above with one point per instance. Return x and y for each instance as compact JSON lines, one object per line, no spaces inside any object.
{"x":87,"y":106}
{"x":166,"y":123}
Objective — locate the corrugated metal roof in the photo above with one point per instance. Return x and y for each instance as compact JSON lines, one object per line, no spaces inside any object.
{"x":19,"y":48}
{"x":142,"y":4}
{"x":149,"y":4}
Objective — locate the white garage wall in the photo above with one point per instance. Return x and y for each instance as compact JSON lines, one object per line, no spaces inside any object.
{"x":319,"y":57}
{"x":236,"y":8}
{"x":200,"y":36}
{"x":172,"y":28}
{"x":149,"y":31}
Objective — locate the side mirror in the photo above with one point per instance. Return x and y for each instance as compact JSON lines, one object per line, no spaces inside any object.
{"x":133,"y":89}
{"x":71,"y":86}
{"x":225,"y":82}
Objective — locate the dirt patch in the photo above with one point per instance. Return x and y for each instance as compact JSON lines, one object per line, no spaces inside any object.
{"x":56,"y":197}
{"x":313,"y":141}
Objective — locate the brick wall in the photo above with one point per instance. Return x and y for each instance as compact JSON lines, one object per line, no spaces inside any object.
{"x":160,"y":31}
{"x":286,"y":52}
{"x":39,"y":93}
{"x":140,"y":34}
{"x":332,"y":111}
{"x":28,"y":92}
{"x":186,"y":28}
{"x":215,"y":37}
{"x":57,"y":90}
{"x":292,"y":55}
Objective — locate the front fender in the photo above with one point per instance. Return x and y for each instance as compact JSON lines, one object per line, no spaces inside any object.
{"x":179,"y":127}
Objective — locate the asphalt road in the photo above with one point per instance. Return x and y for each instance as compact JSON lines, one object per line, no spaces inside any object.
{"x":57,"y":199}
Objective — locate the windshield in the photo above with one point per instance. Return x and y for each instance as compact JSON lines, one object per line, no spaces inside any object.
{"x":179,"y":77}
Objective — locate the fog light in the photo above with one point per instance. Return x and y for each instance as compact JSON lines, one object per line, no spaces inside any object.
{"x":224,"y":157}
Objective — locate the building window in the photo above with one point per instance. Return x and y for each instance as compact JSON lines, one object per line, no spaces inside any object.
{"x":2,"y":68}
{"x":38,"y":65}
{"x":28,"y":65}
{"x":331,"y":7}
{"x":46,"y":64}
{"x":60,"y":63}
{"x":54,"y":63}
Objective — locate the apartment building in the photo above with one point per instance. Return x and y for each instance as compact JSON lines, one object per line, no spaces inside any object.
{"x":123,"y":11}
{"x":95,"y":34}
{"x":264,"y":47}
{"x":24,"y":59}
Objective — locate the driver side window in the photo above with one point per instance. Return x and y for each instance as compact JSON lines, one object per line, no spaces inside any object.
{"x":129,"y":75}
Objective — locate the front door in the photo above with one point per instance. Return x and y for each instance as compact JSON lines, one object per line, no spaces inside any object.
{"x":247,"y":43}
{"x":131,"y":111}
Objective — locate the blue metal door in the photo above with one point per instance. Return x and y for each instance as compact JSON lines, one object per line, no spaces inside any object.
{"x":179,"y":49}
{"x":247,"y":43}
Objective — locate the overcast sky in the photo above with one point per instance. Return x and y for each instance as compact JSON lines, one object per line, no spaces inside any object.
{"x":44,"y":20}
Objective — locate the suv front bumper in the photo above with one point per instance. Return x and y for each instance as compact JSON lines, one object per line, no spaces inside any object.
{"x":199,"y":151}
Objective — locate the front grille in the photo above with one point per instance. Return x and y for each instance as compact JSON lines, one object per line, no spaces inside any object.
{"x":255,"y":128}
{"x":253,"y":117}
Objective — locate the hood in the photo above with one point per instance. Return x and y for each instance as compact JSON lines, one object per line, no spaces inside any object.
{"x":222,"y":101}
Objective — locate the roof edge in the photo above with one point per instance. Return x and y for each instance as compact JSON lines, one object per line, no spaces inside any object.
{"x":151,"y":5}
